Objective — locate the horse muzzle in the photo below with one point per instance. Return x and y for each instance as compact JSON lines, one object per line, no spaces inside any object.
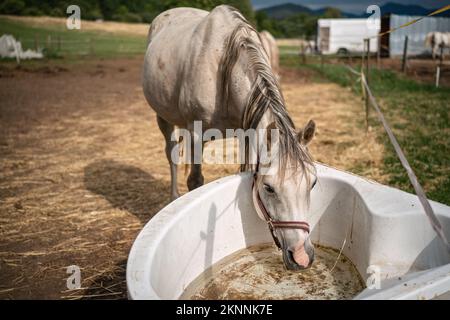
{"x":300,"y":259}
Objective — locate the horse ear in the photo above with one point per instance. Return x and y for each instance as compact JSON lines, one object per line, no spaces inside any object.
{"x":307,"y":134}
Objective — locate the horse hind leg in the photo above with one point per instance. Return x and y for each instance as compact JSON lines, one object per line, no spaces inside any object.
{"x":167,"y":130}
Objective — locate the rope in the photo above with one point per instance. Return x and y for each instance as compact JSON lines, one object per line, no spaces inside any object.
{"x":443,"y":9}
{"x":433,"y":219}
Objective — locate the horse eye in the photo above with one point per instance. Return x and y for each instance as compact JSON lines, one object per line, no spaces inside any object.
{"x":269,"y":189}
{"x":314,"y":184}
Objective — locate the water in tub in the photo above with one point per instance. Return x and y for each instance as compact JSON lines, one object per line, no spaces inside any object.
{"x":258,"y":273}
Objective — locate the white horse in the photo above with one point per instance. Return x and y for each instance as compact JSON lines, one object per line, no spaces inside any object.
{"x":270,"y":45}
{"x":211,"y":66}
{"x":435,"y":40}
{"x":306,"y":46}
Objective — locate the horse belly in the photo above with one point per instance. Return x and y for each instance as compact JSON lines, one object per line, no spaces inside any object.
{"x":163,"y":69}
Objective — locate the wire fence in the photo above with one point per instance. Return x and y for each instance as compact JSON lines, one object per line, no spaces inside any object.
{"x":94,"y":46}
{"x":370,"y":100}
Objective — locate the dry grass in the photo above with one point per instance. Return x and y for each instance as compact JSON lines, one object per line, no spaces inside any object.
{"x":83,"y":169}
{"x":288,"y":42}
{"x":137,"y":29}
{"x":341,"y":138}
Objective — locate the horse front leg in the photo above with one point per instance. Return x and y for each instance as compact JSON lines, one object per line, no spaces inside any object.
{"x":167,"y":129}
{"x":195,"y":178}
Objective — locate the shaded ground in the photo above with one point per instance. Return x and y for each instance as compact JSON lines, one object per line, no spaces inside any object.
{"x":83,"y":168}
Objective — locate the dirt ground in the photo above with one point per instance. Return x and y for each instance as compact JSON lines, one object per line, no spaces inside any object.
{"x":83,"y":168}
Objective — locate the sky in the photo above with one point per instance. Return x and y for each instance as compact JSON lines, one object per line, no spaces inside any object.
{"x":351,"y":6}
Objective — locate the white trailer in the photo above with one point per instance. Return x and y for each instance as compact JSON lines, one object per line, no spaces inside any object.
{"x":346,"y":35}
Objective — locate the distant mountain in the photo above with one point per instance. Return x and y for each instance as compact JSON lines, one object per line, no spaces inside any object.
{"x":321,"y":11}
{"x":286,"y":10}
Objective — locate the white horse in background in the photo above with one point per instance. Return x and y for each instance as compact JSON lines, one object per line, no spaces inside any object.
{"x":306,"y":46}
{"x":212,"y":67}
{"x":270,"y":45}
{"x":435,"y":40}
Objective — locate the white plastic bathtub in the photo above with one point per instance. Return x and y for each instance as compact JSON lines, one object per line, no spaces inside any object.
{"x":385,"y":228}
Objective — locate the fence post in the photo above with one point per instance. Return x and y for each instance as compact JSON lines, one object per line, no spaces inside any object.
{"x":368,"y":60}
{"x":363,"y":55}
{"x":302,"y":52}
{"x":366,"y":75}
{"x":405,"y":54}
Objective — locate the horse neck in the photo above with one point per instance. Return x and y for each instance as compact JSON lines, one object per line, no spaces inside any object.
{"x":266,"y":120}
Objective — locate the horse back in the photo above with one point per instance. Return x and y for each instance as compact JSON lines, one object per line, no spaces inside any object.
{"x":182,"y":63}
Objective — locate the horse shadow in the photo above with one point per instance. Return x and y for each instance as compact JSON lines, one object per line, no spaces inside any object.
{"x":127,"y":188}
{"x":109,"y":286}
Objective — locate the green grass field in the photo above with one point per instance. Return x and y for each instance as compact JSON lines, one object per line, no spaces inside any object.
{"x":419,"y":115}
{"x":73,"y":43}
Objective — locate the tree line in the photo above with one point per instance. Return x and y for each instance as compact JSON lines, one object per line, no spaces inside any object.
{"x":302,"y":24}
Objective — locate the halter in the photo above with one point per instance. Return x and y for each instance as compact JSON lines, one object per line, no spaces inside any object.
{"x":272,"y":224}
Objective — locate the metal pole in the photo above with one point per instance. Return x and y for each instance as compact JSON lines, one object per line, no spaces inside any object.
{"x":363,"y":54}
{"x":405,"y":54}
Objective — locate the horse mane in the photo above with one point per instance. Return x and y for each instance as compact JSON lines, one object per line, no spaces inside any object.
{"x":265,"y":94}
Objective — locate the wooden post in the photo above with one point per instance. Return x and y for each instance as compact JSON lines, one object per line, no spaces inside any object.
{"x":368,"y":60}
{"x":302,"y":52}
{"x":367,"y":47}
{"x":363,"y":55}
{"x":405,"y":54}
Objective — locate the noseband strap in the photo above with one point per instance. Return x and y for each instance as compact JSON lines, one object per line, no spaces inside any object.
{"x":273,"y":224}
